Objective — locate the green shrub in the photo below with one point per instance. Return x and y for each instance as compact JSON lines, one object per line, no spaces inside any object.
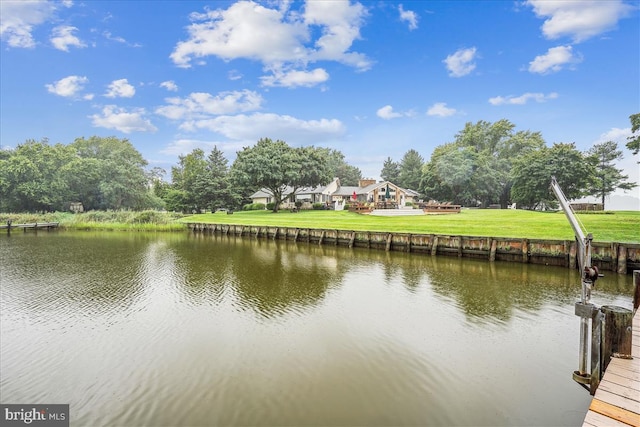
{"x":254,"y":207}
{"x":149,"y":217}
{"x":271,"y":205}
{"x":408,"y":204}
{"x":318,"y":206}
{"x":298,"y":204}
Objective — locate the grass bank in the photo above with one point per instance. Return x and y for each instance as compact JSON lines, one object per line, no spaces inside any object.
{"x":104,"y":220}
{"x":609,"y":226}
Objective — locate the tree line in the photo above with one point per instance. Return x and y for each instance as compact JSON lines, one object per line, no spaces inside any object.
{"x":486,"y":163}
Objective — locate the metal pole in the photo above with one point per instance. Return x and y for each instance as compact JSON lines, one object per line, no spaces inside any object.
{"x":583,"y":309}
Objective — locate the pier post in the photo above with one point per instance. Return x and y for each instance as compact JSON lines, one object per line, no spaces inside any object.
{"x":622,"y":259}
{"x":572,"y":255}
{"x":388,"y":246}
{"x":492,"y":251}
{"x":525,"y":251}
{"x":434,"y":246}
{"x":636,"y":293}
{"x":353,"y":238}
{"x":321,"y":238}
{"x":616,"y":340}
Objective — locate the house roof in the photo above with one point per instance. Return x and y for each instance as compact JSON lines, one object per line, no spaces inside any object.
{"x":346,"y":190}
{"x":263,"y":192}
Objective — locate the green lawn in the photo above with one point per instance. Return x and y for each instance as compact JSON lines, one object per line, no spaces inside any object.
{"x":619,"y":226}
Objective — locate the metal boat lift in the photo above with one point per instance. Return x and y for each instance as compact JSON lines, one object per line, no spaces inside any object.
{"x":590,"y":315}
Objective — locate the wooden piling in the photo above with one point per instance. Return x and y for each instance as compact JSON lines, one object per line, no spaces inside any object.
{"x":622,"y":259}
{"x":616,"y":340}
{"x":388,"y":246}
{"x":492,"y":251}
{"x":434,"y":246}
{"x":636,"y":293}
{"x":352,"y":239}
{"x":573,"y":249}
{"x":321,"y":237}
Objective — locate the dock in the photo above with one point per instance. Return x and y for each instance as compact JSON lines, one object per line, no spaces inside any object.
{"x":32,"y":226}
{"x":617,"y":399}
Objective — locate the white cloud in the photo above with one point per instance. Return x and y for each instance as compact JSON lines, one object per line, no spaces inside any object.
{"x":201,"y":105}
{"x":186,"y":145}
{"x":340,"y":24}
{"x":461,"y":62}
{"x":68,"y":87}
{"x":62,"y":37}
{"x":118,"y":39}
{"x":120,"y":88}
{"x":296,"y":78}
{"x":387,"y":113}
{"x":19,"y":18}
{"x":234,"y":75}
{"x":554,"y":60}
{"x":113,"y":117}
{"x":579,"y":19}
{"x":255,"y":126}
{"x":440,"y":109}
{"x":169,"y":85}
{"x":522,"y":99}
{"x":409,"y":16}
{"x":615,"y":134}
{"x":278,"y":38}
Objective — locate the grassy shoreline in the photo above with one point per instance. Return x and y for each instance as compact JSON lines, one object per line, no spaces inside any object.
{"x":609,"y":226}
{"x":104,"y":220}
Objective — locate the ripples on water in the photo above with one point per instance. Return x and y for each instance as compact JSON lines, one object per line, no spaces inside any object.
{"x":142,"y":329}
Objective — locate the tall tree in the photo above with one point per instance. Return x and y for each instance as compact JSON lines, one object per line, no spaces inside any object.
{"x":634,"y":139}
{"x":122,"y":178}
{"x":274,"y":166}
{"x":31,"y":177}
{"x":608,"y":178}
{"x":348,"y":174}
{"x":410,"y":170}
{"x":390,"y":170}
{"x":495,"y":146}
{"x":188,"y":177}
{"x":532,"y":174}
{"x":214,"y":183}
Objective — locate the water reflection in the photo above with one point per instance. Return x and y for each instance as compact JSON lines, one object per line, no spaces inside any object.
{"x":183,"y":329}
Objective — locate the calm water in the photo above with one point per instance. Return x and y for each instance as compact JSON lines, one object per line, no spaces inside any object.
{"x":180,"y":329}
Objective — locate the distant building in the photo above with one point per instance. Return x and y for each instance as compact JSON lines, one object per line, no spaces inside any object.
{"x":587,"y":206}
{"x":368,"y":190}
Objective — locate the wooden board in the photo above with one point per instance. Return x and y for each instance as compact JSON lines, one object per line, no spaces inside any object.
{"x":617,"y":400}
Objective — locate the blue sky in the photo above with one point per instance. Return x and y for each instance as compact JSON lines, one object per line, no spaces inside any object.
{"x":372,"y":79}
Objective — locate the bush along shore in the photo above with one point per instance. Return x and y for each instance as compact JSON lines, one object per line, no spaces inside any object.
{"x":148,"y":220}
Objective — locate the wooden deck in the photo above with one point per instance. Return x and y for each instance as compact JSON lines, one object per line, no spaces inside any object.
{"x":32,"y":226}
{"x":617,"y":400}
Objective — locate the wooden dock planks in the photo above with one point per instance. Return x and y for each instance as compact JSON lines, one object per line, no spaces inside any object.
{"x":617,"y":400}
